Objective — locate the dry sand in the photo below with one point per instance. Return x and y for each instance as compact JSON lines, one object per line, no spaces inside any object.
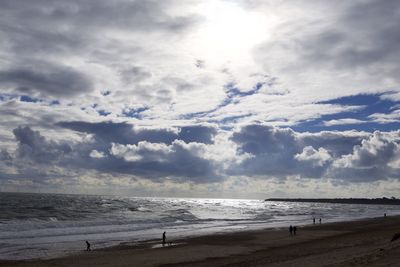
{"x":357,"y":243}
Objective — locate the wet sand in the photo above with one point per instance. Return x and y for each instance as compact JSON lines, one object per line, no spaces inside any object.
{"x":356,"y":243}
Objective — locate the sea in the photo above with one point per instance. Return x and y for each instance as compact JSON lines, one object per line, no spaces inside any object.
{"x":51,"y":225}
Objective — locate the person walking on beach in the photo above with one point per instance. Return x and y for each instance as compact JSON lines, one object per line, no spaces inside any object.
{"x":313,"y":220}
{"x":164,"y":237}
{"x":294,"y":230}
{"x":291,"y":230}
{"x":320,"y":220}
{"x":87,"y":246}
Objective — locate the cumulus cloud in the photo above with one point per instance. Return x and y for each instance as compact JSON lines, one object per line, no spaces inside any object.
{"x":176,"y":161}
{"x":374,"y":159}
{"x":32,"y":145}
{"x":150,"y":160}
{"x":377,"y":150}
{"x":336,"y":142}
{"x":142,"y":151}
{"x":350,"y":156}
{"x":272,"y":149}
{"x":316,"y":157}
{"x":254,"y":152}
{"x":259,"y":139}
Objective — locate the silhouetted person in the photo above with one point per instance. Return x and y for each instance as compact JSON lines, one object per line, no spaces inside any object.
{"x":294,"y":230}
{"x":384,"y":215}
{"x":313,"y":220}
{"x":164,"y":237}
{"x":320,"y":220}
{"x":87,"y":246}
{"x":291,"y":229}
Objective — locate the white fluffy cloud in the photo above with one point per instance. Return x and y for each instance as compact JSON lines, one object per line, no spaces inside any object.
{"x":374,"y":159}
{"x":316,"y":157}
{"x":96,"y":154}
{"x":250,"y":152}
{"x":143,"y":151}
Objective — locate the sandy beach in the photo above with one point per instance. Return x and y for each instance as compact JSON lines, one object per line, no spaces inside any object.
{"x":356,"y":243}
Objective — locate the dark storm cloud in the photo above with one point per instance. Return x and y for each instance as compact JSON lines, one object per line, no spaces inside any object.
{"x":273,"y":150}
{"x":347,"y":155}
{"x":178,"y":161}
{"x":32,"y":145}
{"x":375,"y":151}
{"x":197,"y":133}
{"x":259,"y":139}
{"x":149,"y":153}
{"x":338,"y":143}
{"x":124,"y":133}
{"x":5,"y":155}
{"x":377,"y":157}
{"x":46,"y":79}
{"x":268,"y":152}
{"x":156,"y":161}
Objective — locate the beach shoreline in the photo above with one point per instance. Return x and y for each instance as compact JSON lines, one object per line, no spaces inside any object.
{"x":349,"y":243}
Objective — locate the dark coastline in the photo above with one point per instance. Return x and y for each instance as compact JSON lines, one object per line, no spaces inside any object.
{"x":370,"y":201}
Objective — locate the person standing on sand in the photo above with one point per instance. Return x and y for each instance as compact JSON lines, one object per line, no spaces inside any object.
{"x":87,"y":246}
{"x":313,"y":219}
{"x":291,"y":229}
{"x":294,"y":230}
{"x":164,"y":237}
{"x":320,"y":220}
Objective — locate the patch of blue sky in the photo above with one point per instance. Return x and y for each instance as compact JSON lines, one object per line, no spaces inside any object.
{"x":22,"y":98}
{"x":103,"y":112}
{"x":233,"y":94}
{"x":371,"y":104}
{"x":25,"y":98}
{"x":134,"y":112}
{"x":233,"y":91}
{"x":28,"y":99}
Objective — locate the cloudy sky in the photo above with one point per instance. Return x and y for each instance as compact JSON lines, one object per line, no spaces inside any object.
{"x":218,"y":98}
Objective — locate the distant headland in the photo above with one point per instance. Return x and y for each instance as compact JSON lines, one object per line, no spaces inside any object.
{"x":372,"y":201}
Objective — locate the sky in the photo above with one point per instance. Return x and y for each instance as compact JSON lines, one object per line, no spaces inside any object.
{"x":210,"y":98}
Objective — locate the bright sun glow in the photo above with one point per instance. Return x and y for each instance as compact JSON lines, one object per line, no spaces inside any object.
{"x":229,"y":32}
